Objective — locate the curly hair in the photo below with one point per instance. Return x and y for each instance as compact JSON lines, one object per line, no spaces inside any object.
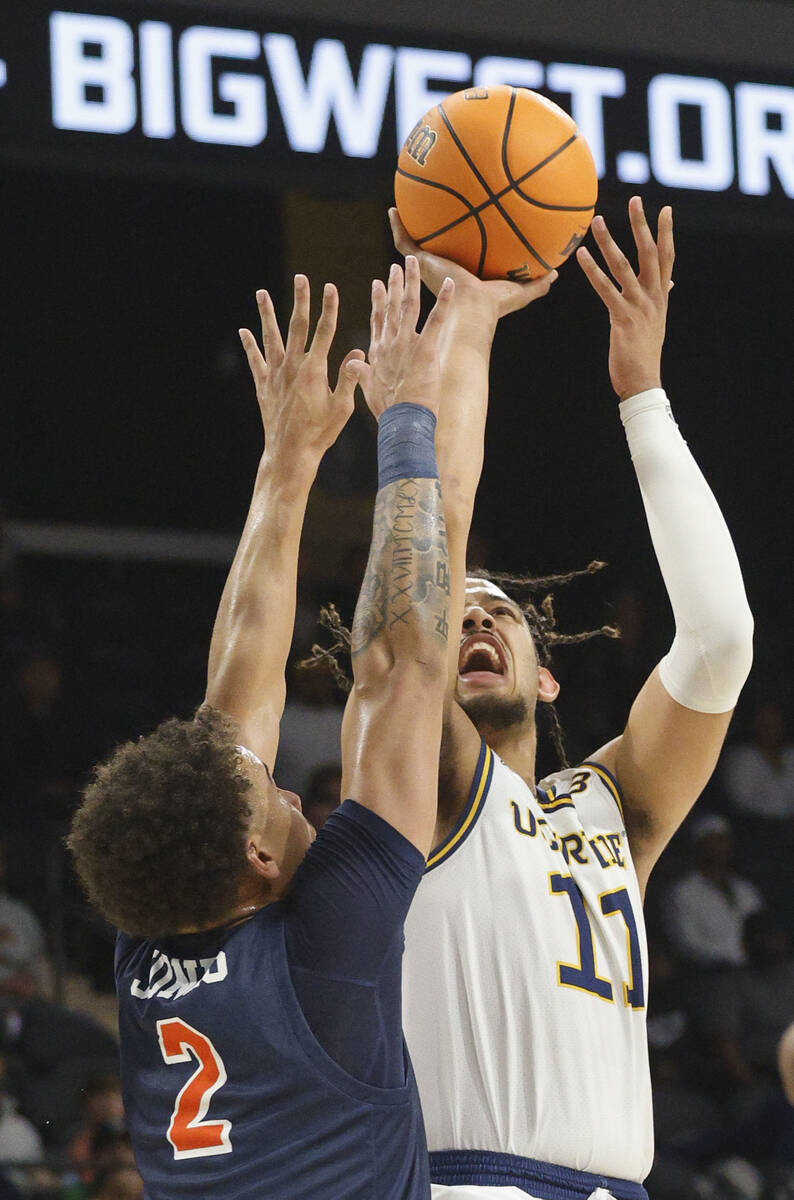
{"x":159,"y":838}
{"x":540,"y":618}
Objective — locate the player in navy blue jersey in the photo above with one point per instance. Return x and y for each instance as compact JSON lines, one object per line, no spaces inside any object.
{"x":258,"y":974}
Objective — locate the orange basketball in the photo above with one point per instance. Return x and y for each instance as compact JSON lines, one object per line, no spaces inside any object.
{"x":498,"y":179}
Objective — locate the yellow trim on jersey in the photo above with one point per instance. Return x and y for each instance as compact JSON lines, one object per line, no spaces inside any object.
{"x":614,"y":790}
{"x":478,"y":787}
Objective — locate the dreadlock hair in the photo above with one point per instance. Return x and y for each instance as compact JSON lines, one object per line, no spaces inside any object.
{"x":159,"y":838}
{"x":539,"y":615}
{"x":542,"y":622}
{"x":328,"y":656}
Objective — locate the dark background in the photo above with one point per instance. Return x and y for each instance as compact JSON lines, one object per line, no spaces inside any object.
{"x":126,"y":398}
{"x":125,"y":403}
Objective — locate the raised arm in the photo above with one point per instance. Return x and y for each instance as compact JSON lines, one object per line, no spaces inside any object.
{"x":466,"y":346}
{"x":678,"y":722}
{"x":301,"y":417}
{"x":392,"y":726}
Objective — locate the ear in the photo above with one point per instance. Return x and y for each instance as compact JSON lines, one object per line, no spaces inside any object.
{"x":548,"y":688}
{"x":262,"y":862}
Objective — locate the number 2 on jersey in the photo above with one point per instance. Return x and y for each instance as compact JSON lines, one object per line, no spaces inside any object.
{"x":584,"y":975}
{"x":189,"y":1134}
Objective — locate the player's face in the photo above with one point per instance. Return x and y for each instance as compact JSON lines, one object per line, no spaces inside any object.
{"x":278,"y":823}
{"x":497,"y":655}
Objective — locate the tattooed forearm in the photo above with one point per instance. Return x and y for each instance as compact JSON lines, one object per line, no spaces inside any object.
{"x":405,"y":593}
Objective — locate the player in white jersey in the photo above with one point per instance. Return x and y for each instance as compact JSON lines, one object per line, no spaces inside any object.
{"x":525,"y":979}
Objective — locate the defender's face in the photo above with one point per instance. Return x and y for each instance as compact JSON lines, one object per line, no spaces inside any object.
{"x":497,"y":655}
{"x":277,"y":822}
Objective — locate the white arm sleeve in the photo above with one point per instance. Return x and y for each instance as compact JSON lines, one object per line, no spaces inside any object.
{"x":711,"y":654}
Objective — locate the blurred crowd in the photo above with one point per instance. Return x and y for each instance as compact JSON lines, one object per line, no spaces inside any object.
{"x":93,"y":653}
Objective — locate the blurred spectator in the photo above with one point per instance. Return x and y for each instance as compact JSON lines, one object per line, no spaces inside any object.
{"x":744,"y":1016}
{"x":687,"y":1122}
{"x":748,"y":1018}
{"x":42,"y":751}
{"x":311,"y":728}
{"x":118,"y":1183}
{"x":52,"y":1053}
{"x":23,"y":969}
{"x":707,"y":907}
{"x":758,"y":776}
{"x":758,"y":779}
{"x":101,"y":1141}
{"x":323,"y":794}
{"x":20,"y":1141}
{"x":111,"y":1148}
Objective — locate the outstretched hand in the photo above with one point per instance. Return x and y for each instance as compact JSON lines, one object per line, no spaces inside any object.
{"x":404,"y":365}
{"x":301,"y":415}
{"x":487,"y":299}
{"x":636,"y":302}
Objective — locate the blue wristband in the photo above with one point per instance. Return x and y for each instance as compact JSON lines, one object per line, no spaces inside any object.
{"x":406,"y":444}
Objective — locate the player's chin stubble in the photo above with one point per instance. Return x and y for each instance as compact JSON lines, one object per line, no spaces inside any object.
{"x":495,"y":713}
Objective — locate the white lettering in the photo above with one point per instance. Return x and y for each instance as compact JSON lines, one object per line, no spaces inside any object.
{"x":182,"y":984}
{"x":74,"y":70}
{"x":759,"y":146}
{"x":159,"y":961}
{"x":666,"y":95}
{"x":518,"y":72}
{"x":307,"y":104}
{"x":588,"y":86}
{"x":411,"y":74}
{"x":215,"y":969}
{"x":247,"y":124}
{"x":157,"y":79}
{"x":172,"y":977}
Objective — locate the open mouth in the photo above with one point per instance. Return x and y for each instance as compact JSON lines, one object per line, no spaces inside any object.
{"x":481,"y":654}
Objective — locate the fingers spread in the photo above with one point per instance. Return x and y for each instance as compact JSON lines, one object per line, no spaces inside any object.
{"x":409,"y":308}
{"x":353,"y":371}
{"x":378,"y":311}
{"x":647,"y":254}
{"x":326,"y":326}
{"x":299,"y":321}
{"x":598,"y":279}
{"x":614,"y":257}
{"x":271,"y":335}
{"x":666,"y":244}
{"x":394,"y":295}
{"x":252,"y":352}
{"x":430,"y":335}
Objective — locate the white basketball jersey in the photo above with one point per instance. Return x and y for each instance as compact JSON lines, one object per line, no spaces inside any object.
{"x":525,"y":977}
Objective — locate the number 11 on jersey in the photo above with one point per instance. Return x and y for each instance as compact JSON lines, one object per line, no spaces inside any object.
{"x":584,"y":975}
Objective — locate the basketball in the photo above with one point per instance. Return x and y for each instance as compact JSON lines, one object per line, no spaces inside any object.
{"x":499,"y":180}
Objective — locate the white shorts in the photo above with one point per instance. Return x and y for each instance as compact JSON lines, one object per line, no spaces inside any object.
{"x":467,"y":1191}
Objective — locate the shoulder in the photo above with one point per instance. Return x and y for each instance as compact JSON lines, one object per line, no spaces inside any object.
{"x":591,"y":777}
{"x":355,"y":822}
{"x":354,"y":847}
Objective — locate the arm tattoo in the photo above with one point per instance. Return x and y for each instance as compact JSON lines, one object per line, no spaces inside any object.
{"x":406,"y":588}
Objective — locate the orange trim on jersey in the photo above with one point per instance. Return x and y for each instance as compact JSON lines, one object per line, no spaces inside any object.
{"x":479,"y":790}
{"x":611,"y":782}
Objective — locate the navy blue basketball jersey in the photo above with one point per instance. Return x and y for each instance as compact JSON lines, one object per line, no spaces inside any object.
{"x":237,"y":1062}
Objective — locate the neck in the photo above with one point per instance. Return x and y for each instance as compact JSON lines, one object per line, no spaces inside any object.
{"x":235,"y":916}
{"x":517,"y":747}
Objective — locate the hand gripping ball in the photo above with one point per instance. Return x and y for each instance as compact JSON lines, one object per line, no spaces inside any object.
{"x":498,"y":179}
